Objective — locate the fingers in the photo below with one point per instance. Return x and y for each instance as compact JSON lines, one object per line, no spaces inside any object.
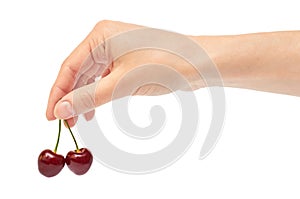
{"x":71,"y":121}
{"x":90,"y":75}
{"x":86,"y":98}
{"x":67,"y":76}
{"x":89,"y":115}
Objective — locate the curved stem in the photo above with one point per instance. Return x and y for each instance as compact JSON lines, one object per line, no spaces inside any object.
{"x":66,"y":122}
{"x":58,"y":136}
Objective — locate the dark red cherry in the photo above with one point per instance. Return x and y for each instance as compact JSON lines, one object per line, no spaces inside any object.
{"x":79,"y":161}
{"x":50,"y":163}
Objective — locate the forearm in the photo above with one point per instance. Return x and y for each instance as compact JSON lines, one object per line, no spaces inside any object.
{"x":262,"y":61}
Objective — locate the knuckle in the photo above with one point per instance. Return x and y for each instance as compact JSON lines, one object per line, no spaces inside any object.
{"x":87,"y":100}
{"x":103,"y":24}
{"x":83,"y":100}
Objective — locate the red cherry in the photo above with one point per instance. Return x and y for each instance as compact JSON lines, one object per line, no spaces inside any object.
{"x":50,"y":163}
{"x":79,"y":161}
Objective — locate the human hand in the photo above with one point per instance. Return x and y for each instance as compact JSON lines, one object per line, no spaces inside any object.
{"x":243,"y":61}
{"x":93,"y":58}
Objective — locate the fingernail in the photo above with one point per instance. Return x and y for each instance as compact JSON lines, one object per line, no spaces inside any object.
{"x":64,"y":110}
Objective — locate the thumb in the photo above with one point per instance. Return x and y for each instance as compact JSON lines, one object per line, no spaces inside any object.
{"x":85,"y":98}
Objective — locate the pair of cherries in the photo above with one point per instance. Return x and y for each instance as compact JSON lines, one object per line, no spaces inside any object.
{"x":78,"y":161}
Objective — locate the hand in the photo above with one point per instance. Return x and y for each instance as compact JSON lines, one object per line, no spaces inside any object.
{"x":93,"y":58}
{"x":261,"y":61}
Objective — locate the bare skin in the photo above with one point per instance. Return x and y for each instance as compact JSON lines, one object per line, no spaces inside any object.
{"x":262,"y":61}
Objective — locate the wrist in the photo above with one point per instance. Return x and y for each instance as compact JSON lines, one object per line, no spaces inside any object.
{"x":230,"y":54}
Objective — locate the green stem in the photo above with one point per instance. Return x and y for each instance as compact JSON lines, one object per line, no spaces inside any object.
{"x":58,"y":136}
{"x":66,"y":122}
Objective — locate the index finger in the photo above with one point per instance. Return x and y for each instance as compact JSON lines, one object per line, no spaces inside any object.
{"x":67,"y":75}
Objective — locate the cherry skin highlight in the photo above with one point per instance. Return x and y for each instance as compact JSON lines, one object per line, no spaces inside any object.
{"x":79,"y":161}
{"x":50,"y":163}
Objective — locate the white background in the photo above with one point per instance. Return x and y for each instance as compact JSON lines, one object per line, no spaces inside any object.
{"x":258,"y":155}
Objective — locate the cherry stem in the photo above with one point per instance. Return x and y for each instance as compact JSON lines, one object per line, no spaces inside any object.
{"x":66,"y":122}
{"x":58,"y":136}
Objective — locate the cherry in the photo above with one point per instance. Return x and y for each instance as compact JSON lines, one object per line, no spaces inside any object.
{"x":79,"y":161}
{"x":49,"y":162}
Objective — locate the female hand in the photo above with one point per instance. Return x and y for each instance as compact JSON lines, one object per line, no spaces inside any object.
{"x":75,"y":90}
